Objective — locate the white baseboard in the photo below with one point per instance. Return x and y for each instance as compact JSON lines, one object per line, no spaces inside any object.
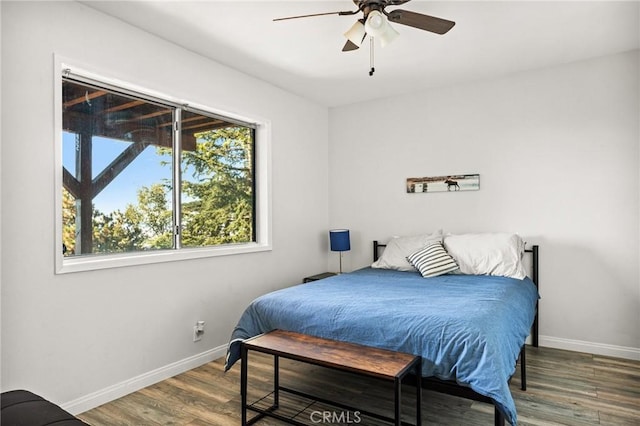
{"x":126,"y":387}
{"x":590,"y":347}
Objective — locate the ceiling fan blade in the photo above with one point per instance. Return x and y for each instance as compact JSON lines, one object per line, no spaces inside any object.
{"x":318,"y":14}
{"x":396,"y":2}
{"x":349,"y":46}
{"x":420,"y":21}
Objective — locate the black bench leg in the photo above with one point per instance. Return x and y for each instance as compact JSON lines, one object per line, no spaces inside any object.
{"x":523,"y":368}
{"x":498,"y":418}
{"x":244,"y":359}
{"x":276,"y":381}
{"x":419,"y":393}
{"x":397,"y":383}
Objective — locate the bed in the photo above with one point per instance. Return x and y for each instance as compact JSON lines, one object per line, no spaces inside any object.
{"x":470,"y":329}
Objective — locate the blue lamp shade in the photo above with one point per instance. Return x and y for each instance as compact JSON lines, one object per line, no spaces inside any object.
{"x":339,"y":239}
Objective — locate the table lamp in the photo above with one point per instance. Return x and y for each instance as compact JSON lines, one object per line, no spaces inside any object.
{"x":339,"y":239}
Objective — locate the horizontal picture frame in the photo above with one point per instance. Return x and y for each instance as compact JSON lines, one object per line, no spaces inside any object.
{"x":449,"y":183}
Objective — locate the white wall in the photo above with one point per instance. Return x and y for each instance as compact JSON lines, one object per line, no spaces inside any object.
{"x":82,"y":337}
{"x":557,"y":151}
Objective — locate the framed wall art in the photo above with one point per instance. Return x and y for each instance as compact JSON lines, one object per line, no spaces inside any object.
{"x":450,"y":183}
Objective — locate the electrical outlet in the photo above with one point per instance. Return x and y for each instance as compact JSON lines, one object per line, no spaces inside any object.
{"x":197,"y":335}
{"x":198,"y":331}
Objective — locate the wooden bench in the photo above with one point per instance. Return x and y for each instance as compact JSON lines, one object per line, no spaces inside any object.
{"x":367,"y":361}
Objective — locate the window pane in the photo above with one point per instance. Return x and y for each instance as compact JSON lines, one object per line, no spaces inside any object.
{"x":217,"y":182}
{"x":116,"y":172}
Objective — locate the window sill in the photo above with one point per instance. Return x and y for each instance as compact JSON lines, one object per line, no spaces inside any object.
{"x":91,"y":263}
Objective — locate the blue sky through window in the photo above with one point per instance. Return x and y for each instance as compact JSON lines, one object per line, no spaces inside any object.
{"x":145,"y":170}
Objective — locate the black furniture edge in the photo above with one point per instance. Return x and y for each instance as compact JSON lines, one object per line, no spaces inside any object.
{"x":24,"y":408}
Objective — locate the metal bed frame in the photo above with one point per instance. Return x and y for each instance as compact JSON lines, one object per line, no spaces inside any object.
{"x":451,"y":387}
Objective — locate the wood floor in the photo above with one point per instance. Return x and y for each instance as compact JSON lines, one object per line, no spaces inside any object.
{"x":563,"y":388}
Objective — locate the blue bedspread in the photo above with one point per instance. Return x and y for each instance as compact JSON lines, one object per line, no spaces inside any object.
{"x":467,"y":328}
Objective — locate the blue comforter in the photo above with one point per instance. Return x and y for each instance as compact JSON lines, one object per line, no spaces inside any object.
{"x":467,"y":328}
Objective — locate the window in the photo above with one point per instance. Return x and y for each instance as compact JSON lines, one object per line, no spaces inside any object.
{"x":143,"y":175}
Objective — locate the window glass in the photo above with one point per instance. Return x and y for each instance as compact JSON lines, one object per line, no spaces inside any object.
{"x":217,"y":182}
{"x":120,"y":180}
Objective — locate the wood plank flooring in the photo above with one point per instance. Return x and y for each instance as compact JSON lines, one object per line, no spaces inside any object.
{"x":563,"y":388}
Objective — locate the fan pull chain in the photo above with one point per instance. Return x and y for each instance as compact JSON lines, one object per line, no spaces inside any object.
{"x":371,"y":57}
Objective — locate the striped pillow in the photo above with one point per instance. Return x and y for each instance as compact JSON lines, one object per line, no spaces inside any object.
{"x":432,"y":260}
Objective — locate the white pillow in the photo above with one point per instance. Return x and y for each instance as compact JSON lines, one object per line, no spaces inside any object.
{"x":395,"y":253}
{"x":432,"y":261}
{"x":487,"y":254}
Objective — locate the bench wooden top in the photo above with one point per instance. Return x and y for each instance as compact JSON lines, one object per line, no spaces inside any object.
{"x":344,"y":356}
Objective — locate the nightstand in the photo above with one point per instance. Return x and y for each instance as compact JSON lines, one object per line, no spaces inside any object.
{"x":318,"y":277}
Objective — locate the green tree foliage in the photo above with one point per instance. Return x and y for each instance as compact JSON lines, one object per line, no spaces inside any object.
{"x":154,"y":212}
{"x":117,"y":231}
{"x":68,"y":222}
{"x":217,"y":201}
{"x":217,"y":189}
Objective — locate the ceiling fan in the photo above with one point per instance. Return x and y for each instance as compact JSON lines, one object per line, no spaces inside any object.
{"x":375,"y":22}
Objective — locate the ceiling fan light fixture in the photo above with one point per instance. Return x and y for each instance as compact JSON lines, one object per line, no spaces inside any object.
{"x":388,"y":36}
{"x":377,"y":26}
{"x":356,"y":33}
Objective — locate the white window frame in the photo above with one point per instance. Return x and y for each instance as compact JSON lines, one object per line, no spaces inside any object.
{"x":262,"y":175}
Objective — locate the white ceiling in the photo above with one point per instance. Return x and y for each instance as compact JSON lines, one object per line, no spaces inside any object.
{"x":303,"y":56}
